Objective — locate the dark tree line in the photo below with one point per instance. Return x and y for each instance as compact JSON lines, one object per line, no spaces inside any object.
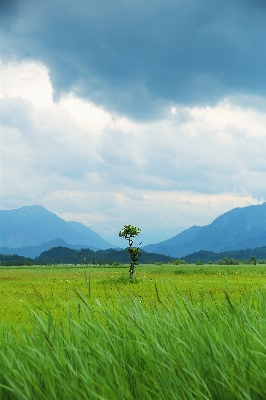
{"x":64,"y":255}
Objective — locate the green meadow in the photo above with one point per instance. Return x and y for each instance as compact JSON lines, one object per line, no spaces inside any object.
{"x":173,"y":332}
{"x":55,"y":286}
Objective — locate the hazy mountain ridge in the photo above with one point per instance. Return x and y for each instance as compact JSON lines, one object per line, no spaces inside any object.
{"x":238,"y":229}
{"x":30,"y":230}
{"x":180,"y":239}
{"x":34,"y":225}
{"x":35,"y":251}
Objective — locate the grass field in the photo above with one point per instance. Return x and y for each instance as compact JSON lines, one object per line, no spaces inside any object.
{"x":22,"y":287}
{"x":175,"y":332}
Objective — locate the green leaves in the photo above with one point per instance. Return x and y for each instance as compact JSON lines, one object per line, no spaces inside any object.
{"x":129,"y":231}
{"x":134,"y":253}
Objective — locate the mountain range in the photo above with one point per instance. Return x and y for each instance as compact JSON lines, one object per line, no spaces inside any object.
{"x":31,"y":230}
{"x":34,"y":225}
{"x":238,"y":229}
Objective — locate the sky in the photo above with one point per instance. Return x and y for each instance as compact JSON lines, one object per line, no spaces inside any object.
{"x":150,"y":113}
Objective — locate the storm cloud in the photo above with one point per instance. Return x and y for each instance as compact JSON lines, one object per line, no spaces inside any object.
{"x":134,"y":57}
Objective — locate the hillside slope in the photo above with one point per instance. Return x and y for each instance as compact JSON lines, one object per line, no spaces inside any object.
{"x":238,"y":229}
{"x":34,"y":225}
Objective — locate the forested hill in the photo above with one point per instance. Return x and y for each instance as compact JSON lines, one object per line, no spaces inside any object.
{"x":240,"y":255}
{"x":65,"y":255}
{"x":71,"y":256}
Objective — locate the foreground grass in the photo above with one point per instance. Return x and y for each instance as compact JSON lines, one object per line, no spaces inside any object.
{"x":178,"y":348}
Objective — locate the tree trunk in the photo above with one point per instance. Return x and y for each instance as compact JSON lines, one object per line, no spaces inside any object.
{"x":131,"y":270}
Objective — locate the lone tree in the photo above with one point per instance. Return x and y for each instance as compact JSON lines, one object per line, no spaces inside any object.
{"x":129,"y":232}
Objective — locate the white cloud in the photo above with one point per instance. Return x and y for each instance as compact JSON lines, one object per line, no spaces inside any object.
{"x":29,"y":80}
{"x":86,"y":164}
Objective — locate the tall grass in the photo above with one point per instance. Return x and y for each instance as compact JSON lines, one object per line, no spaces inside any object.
{"x":176,"y":349}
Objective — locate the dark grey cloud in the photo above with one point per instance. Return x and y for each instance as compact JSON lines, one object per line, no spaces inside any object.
{"x":7,"y":7}
{"x":134,"y":57}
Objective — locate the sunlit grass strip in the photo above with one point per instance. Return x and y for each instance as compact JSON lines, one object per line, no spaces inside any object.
{"x":174,"y":350}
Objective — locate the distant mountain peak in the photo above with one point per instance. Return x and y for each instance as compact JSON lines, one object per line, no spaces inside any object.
{"x":34,"y":225}
{"x":36,"y":207}
{"x":237,"y":229}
